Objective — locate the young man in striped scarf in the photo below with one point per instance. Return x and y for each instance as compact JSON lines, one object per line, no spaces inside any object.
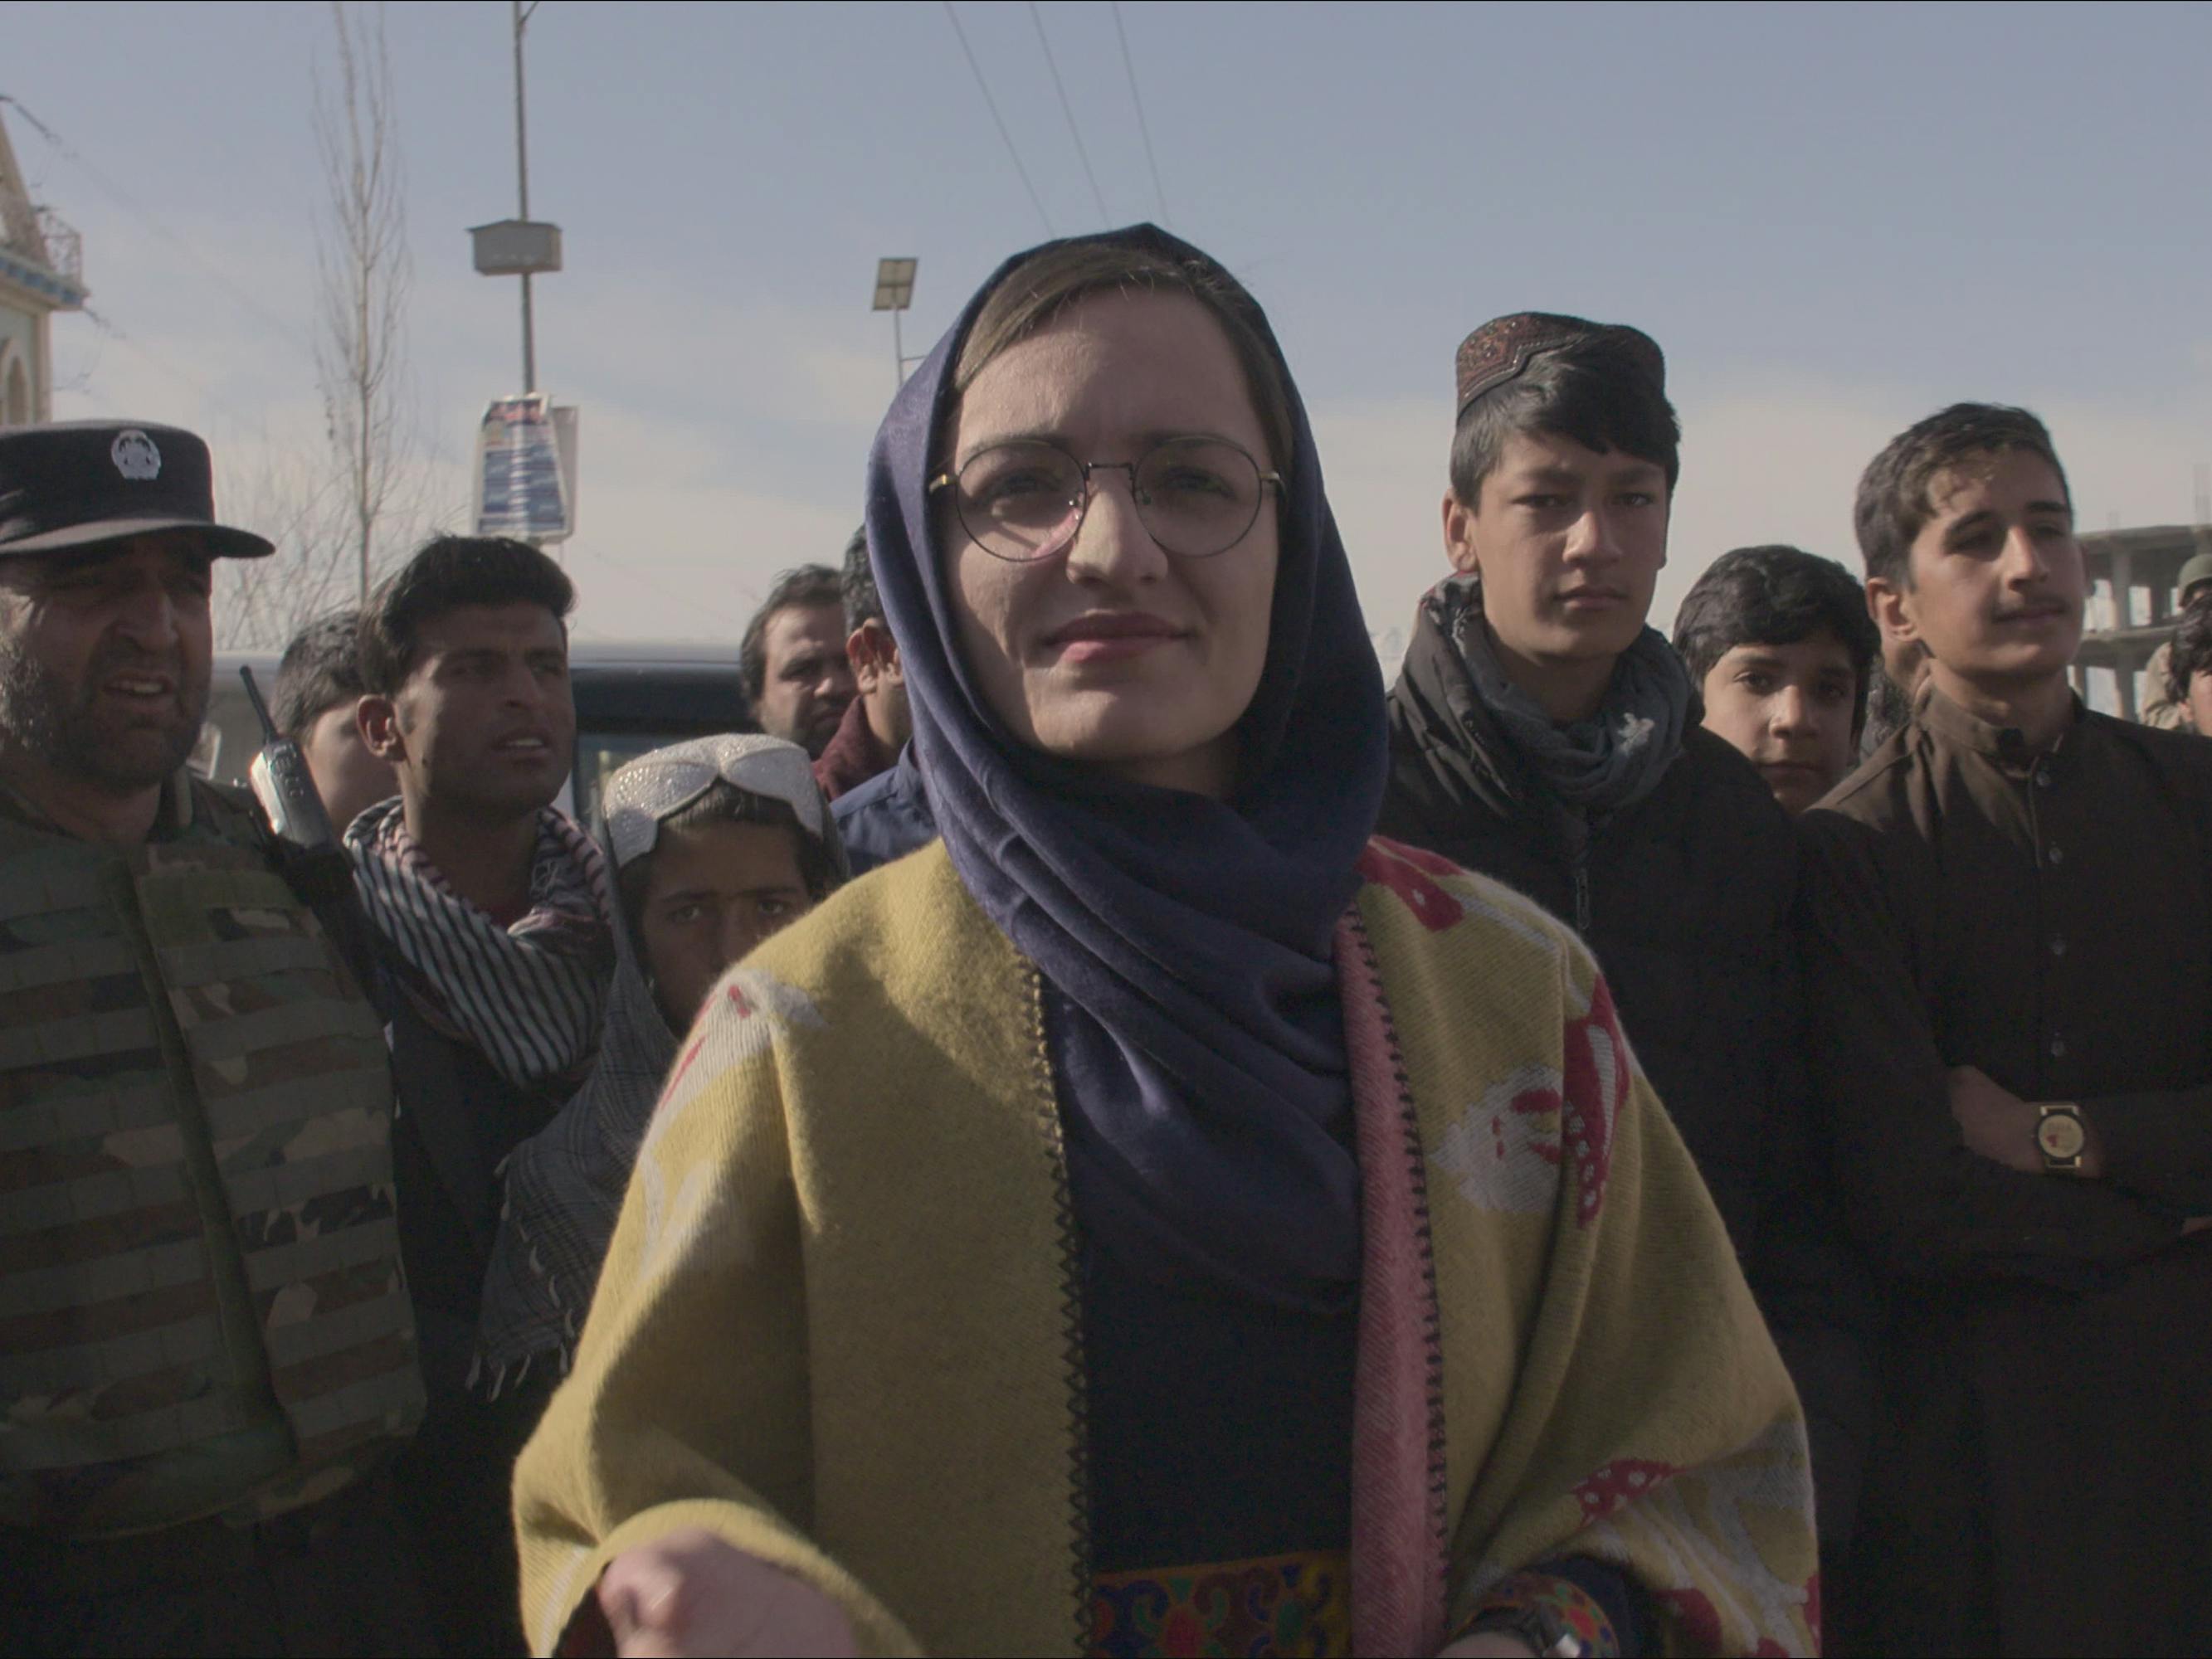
{"x":491,"y":916}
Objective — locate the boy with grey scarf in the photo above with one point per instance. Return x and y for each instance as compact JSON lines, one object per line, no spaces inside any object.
{"x":1543,"y":735}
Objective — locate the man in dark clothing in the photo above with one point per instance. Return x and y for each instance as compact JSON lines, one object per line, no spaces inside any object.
{"x":876,"y":725}
{"x":2007,"y":919}
{"x":493,"y":916}
{"x":317,"y":683}
{"x":792,"y":659}
{"x":207,"y":1356}
{"x":886,"y":818}
{"x":1542,"y":735}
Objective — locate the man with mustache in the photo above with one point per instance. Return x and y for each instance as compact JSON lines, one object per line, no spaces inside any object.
{"x":793,"y":660}
{"x":492,"y":917}
{"x":209,"y":1346}
{"x":1543,"y":735}
{"x":2007,"y":948}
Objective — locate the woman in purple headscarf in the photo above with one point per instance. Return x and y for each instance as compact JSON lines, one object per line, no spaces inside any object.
{"x":1158,"y":1218}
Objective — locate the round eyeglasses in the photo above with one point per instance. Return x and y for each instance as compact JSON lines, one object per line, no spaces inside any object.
{"x":1026,"y":500}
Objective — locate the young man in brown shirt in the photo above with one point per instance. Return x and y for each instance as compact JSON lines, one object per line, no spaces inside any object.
{"x":2008,"y":951}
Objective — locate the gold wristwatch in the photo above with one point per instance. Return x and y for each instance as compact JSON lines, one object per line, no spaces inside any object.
{"x":2059,"y":1137}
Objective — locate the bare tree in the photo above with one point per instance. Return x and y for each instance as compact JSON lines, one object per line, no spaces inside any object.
{"x":367,"y":274}
{"x":286,"y":494}
{"x":336,"y":509}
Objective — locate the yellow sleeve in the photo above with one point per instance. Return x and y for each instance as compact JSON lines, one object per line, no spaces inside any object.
{"x":1651,"y":1423}
{"x":689,"y":1403}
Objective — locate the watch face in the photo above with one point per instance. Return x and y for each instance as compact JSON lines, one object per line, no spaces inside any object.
{"x":2060,"y":1136}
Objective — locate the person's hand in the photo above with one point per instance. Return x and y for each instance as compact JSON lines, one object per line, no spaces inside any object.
{"x":1995,"y":1122}
{"x":691,"y":1594}
{"x":1489,"y":1644}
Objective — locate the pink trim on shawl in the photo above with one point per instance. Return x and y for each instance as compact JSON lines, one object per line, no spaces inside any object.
{"x":1398,"y":1560}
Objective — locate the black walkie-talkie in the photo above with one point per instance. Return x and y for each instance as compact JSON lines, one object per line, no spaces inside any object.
{"x":283,"y":785}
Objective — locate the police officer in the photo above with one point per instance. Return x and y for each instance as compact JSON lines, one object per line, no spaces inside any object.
{"x":207,"y":1352}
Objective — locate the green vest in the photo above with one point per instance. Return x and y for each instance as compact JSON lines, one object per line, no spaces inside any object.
{"x":202,"y":1308}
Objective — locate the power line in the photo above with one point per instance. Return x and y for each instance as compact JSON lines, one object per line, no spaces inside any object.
{"x":129,"y":204}
{"x":991,"y":104}
{"x":1068,"y":110}
{"x":1129,"y":64}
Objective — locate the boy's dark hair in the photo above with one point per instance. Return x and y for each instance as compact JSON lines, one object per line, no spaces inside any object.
{"x":446,"y":574}
{"x":1594,"y":390}
{"x":2191,"y":653}
{"x":320,"y":669}
{"x":724,"y":802}
{"x":1776,"y":596}
{"x":1894,"y":503}
{"x":802,"y":589}
{"x":857,"y":583}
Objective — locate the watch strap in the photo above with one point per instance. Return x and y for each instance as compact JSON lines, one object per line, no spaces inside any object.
{"x":1549,"y":1611}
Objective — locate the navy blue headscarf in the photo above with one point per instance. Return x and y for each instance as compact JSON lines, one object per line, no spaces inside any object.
{"x":1185,"y":942}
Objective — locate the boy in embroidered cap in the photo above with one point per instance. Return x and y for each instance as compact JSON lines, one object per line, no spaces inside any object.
{"x":716,"y":844}
{"x":1543,"y":734}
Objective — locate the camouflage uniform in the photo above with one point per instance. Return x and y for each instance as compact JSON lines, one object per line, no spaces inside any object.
{"x":206,"y":1341}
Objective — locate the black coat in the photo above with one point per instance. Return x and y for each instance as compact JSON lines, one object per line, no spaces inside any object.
{"x":1687,"y":897}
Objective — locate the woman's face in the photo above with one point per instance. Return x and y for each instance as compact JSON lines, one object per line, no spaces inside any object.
{"x":1112,"y":651}
{"x":713,"y":892}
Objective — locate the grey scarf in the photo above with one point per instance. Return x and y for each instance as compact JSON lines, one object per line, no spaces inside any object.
{"x":1595,"y":766}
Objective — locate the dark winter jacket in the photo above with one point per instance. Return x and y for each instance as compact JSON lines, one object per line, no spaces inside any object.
{"x":886,"y":818}
{"x":1687,"y":897}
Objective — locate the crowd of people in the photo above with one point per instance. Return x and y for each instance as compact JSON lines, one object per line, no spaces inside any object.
{"x":1103,"y":1127}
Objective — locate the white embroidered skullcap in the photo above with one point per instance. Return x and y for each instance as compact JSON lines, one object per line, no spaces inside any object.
{"x":644,"y":792}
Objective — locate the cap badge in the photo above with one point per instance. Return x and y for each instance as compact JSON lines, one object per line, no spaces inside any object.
{"x":135,"y":456}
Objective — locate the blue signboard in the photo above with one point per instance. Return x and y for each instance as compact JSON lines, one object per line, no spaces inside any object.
{"x":522,"y":486}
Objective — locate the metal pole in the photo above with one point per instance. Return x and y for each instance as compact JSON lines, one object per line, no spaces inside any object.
{"x":522,"y":190}
{"x":898,"y":355}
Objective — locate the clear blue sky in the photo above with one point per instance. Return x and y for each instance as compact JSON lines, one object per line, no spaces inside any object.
{"x":1832,"y":218}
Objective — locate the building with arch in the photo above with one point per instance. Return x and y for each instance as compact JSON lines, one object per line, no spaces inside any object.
{"x":42,"y":271}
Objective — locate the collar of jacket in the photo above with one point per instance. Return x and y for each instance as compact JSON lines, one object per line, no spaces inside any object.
{"x":1944,"y":720}
{"x":1458,"y":738}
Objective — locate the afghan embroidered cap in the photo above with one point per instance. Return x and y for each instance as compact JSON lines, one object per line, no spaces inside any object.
{"x":1502,"y":349}
{"x":644,"y":792}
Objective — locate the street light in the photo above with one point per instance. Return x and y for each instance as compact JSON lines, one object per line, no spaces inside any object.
{"x":895,"y":293}
{"x":519,"y":246}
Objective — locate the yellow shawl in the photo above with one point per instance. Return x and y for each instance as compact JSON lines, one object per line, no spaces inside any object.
{"x":837,"y":1327}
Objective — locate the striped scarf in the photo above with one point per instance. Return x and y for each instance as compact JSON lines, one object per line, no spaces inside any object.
{"x":531,"y":997}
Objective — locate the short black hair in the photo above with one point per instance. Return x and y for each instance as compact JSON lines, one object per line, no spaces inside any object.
{"x":857,"y":582}
{"x":1595,"y":391}
{"x":804,"y":588}
{"x":1895,"y":500}
{"x":320,"y":669}
{"x":448,"y":573}
{"x":1776,"y":595}
{"x":2191,"y":651}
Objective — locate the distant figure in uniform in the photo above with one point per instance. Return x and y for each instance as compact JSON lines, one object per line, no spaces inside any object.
{"x":2162,"y":707}
{"x":2189,"y":664}
{"x":493,"y":918}
{"x":877,"y":722}
{"x":209,"y":1353}
{"x":317,"y":683}
{"x":793,"y":662}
